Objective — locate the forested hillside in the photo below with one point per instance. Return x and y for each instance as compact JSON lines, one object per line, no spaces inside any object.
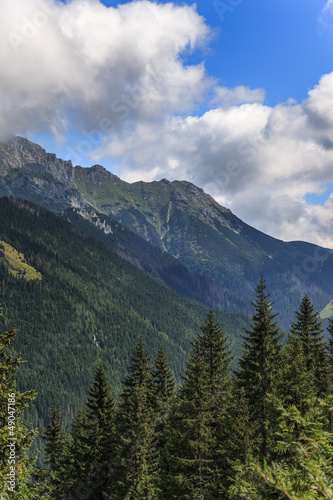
{"x":219,"y":256}
{"x":85,"y":303}
{"x":261,"y":432}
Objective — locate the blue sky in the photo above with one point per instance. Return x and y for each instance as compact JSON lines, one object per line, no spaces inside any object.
{"x":233,"y":95}
{"x":282,"y":46}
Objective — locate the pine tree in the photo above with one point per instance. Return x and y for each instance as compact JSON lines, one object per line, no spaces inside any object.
{"x":259,"y":372}
{"x":136,"y":472}
{"x":15,"y":438}
{"x":88,"y":454}
{"x":194,"y":454}
{"x":307,"y":328}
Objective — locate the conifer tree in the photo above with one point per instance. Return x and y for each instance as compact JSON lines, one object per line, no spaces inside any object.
{"x":162,"y":392}
{"x":189,"y":463}
{"x":330,"y":343}
{"x":298,"y":386}
{"x":259,"y":372}
{"x":307,"y":328}
{"x":88,"y":454}
{"x":218,"y":357}
{"x":47,"y":480}
{"x":330,"y":369}
{"x":194,"y":452}
{"x":15,"y":438}
{"x":53,"y":437}
{"x":136,"y":473}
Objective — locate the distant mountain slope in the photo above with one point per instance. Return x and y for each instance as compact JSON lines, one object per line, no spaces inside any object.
{"x":89,"y":304}
{"x":182,"y":220}
{"x":151,"y":259}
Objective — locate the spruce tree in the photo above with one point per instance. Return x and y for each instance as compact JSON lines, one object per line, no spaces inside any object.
{"x":88,"y":454}
{"x":218,"y":357}
{"x":330,"y":343}
{"x":15,"y":438}
{"x":307,"y":328}
{"x":53,"y":437}
{"x":47,"y":480}
{"x":298,"y":386}
{"x":162,"y":393}
{"x":259,"y":372}
{"x":194,"y":453}
{"x":189,"y":463}
{"x":330,"y":369}
{"x":136,"y":473}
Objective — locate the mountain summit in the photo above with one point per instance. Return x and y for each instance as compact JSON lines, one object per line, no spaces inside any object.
{"x":178,"y":218}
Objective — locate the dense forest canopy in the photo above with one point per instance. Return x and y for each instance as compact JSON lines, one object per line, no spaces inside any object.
{"x":263,"y":431}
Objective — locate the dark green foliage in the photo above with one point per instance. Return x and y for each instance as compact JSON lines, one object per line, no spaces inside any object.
{"x":307,"y":328}
{"x":87,"y":461}
{"x":163,"y":384}
{"x":162,"y":393}
{"x":259,"y":371}
{"x":47,"y":480}
{"x":194,"y":458}
{"x":261,"y":434}
{"x":135,"y":475}
{"x":90,"y":304}
{"x":298,"y":387}
{"x":304,"y":471}
{"x":53,"y":437}
{"x":330,"y":340}
{"x":330,"y":355}
{"x":15,"y":438}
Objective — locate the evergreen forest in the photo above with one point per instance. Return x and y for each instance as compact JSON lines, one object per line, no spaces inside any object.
{"x":74,"y":301}
{"x":262,"y":430}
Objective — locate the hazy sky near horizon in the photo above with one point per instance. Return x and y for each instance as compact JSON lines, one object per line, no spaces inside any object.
{"x":235,"y":96}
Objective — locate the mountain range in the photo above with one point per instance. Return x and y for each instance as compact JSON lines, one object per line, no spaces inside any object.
{"x":186,"y":239}
{"x":89,"y":264}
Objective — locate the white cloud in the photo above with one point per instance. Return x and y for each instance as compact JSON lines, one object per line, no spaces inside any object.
{"x":260,"y":161}
{"x":84,"y":61}
{"x":117,"y":75}
{"x":239,"y":95}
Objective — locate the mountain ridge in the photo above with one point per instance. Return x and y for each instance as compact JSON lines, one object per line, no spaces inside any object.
{"x":180,"y":219}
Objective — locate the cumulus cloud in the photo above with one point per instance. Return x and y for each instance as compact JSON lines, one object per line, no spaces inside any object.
{"x":226,"y":97}
{"x":117,"y":76}
{"x":260,"y":161}
{"x":82,"y":63}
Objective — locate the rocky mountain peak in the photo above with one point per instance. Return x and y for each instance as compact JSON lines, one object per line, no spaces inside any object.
{"x":20,"y":153}
{"x":97,"y":174}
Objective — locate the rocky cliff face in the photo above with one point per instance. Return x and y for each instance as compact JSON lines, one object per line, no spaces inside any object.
{"x":179,"y":218}
{"x":27,"y":171}
{"x":19,"y":153}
